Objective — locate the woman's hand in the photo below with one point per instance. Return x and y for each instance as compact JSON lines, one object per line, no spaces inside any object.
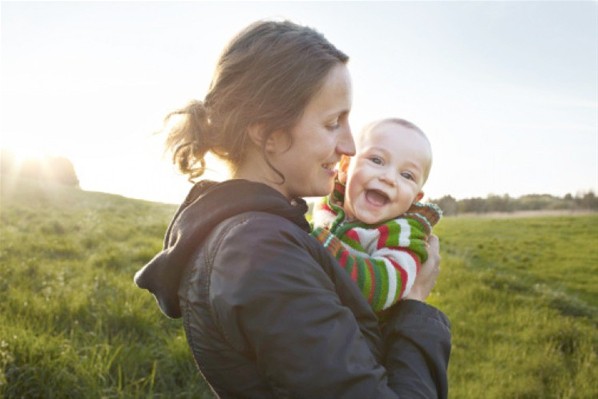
{"x":426,"y":278}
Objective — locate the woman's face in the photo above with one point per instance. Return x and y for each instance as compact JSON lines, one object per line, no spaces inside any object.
{"x":321,"y":136}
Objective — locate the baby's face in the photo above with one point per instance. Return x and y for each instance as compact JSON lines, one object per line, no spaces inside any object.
{"x":387,"y":174}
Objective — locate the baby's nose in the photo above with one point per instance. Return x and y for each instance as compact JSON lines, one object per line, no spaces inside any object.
{"x":388,"y":179}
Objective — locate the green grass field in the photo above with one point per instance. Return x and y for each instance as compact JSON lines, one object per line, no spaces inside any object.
{"x":521,"y":293}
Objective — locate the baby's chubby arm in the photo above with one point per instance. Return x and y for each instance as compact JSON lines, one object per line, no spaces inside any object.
{"x":385,"y":263}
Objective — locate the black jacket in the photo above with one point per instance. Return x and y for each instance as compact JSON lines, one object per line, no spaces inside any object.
{"x":269,"y":313}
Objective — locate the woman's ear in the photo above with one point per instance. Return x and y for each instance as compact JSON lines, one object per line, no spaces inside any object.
{"x":257,"y":134}
{"x":343,"y":167}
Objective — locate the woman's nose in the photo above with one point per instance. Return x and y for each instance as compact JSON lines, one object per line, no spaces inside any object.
{"x":346,"y":145}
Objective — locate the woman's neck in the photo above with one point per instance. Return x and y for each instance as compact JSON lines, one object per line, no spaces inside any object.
{"x":260,"y":175}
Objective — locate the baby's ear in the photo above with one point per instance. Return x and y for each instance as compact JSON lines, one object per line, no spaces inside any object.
{"x":343,"y":167}
{"x":419,"y":196}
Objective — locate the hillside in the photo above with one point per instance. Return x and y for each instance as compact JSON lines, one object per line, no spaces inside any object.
{"x":521,"y":294}
{"x":72,"y":323}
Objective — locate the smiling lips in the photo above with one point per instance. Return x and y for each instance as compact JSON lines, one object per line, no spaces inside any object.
{"x":330,"y":167}
{"x":376,"y":197}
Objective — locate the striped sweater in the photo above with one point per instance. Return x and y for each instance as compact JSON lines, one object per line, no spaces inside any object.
{"x":383,"y":259}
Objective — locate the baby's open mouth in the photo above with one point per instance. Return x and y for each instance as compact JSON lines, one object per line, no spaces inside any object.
{"x":376,"y":197}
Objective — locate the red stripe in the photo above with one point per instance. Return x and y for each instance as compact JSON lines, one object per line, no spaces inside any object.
{"x":403,"y":274}
{"x":354,"y":276}
{"x":352,"y":234}
{"x":383,"y":236}
{"x":343,"y":259}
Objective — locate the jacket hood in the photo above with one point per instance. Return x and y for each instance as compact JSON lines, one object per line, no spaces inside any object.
{"x":207,"y":204}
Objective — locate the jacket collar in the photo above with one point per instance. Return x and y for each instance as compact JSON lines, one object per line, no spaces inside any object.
{"x":207,"y":204}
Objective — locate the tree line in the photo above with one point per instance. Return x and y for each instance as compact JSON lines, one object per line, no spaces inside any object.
{"x":506,"y":203}
{"x":52,"y":169}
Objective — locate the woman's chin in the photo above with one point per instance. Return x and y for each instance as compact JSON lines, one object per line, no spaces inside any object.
{"x":328,"y":188}
{"x":321,"y":188}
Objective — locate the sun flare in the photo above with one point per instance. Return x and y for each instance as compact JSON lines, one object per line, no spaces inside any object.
{"x":35,"y":164}
{"x":22,"y":154}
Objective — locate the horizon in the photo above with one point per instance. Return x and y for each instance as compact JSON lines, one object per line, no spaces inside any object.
{"x":506,"y":92}
{"x":16,"y":167}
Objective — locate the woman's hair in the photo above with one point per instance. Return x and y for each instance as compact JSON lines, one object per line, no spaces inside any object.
{"x":265,"y":76}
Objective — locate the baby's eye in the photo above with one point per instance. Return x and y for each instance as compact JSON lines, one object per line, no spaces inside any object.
{"x":408,"y":176}
{"x":377,"y":160}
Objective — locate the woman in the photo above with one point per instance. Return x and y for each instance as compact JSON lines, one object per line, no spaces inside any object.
{"x":267,"y":311}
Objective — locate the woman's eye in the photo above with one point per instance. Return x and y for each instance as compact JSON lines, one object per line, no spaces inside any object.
{"x":333,"y":126}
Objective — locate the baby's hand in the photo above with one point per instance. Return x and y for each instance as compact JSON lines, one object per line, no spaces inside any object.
{"x":426,"y":278}
{"x":429,"y":214}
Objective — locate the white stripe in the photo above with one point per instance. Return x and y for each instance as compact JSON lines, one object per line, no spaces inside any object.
{"x":392,"y":283}
{"x":405,"y":232}
{"x":405,"y":261}
{"x":408,"y":263}
{"x":368,"y":238}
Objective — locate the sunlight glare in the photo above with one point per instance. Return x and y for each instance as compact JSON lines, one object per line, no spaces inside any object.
{"x":23,"y":154}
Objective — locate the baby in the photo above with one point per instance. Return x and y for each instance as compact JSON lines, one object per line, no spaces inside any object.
{"x":373,"y":222}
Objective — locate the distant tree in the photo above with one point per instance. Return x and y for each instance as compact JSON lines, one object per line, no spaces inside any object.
{"x":61,"y":170}
{"x":533,"y":202}
{"x":448,"y":205}
{"x":588,"y":201}
{"x":472,"y":205}
{"x":47,"y":169}
{"x":497,"y":203}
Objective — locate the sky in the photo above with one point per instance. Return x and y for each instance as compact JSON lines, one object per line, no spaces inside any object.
{"x":507,"y":92}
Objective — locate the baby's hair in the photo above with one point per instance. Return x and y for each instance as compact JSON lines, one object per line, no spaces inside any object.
{"x":402,"y":122}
